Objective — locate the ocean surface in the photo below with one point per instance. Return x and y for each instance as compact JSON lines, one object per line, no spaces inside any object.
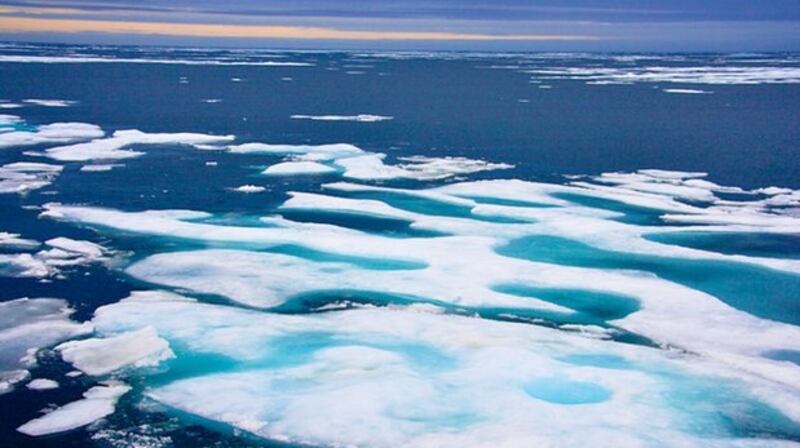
{"x":230,"y":248}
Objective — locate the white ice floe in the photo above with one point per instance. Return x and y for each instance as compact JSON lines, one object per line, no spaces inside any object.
{"x":363,"y":118}
{"x":9,"y":119}
{"x":13,"y":241}
{"x":101,"y":356}
{"x":681,"y":75}
{"x":97,"y":402}
{"x":300,"y":167}
{"x":49,"y":103}
{"x":85,"y":248}
{"x":371,"y":166}
{"x":51,"y":134}
{"x":688,"y":91}
{"x":113,"y":148}
{"x":63,"y":252}
{"x":42,"y":384}
{"x":393,"y":377}
{"x":27,"y":325}
{"x":364,"y":207}
{"x":357,"y":163}
{"x":307,"y":152}
{"x":22,"y":177}
{"x":98,"y":167}
{"x":249,"y":189}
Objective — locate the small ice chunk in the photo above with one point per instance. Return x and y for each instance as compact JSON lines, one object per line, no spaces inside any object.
{"x":249,"y":189}
{"x":49,"y":103}
{"x":295,"y":168}
{"x":98,"y":402}
{"x":42,"y":384}
{"x":362,"y":118}
{"x":688,"y":91}
{"x":86,"y":248}
{"x":101,"y":167}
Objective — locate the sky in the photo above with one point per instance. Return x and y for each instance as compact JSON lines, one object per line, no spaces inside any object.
{"x":514,"y":25}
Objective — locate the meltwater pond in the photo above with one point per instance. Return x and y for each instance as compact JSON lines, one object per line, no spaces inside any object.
{"x":266,"y":248}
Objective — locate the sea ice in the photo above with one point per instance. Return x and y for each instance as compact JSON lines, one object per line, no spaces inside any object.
{"x":113,"y":148}
{"x":50,"y":134}
{"x":140,"y":348}
{"x":98,"y":402}
{"x":297,"y":168}
{"x":363,"y":118}
{"x":27,"y":325}
{"x":42,"y":384}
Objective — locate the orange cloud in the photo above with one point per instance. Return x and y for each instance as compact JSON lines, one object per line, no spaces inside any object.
{"x":46,"y":25}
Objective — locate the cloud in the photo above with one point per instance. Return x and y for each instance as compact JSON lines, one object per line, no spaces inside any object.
{"x":48,"y":25}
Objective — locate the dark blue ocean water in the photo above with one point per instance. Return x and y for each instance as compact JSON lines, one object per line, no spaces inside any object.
{"x":449,"y":104}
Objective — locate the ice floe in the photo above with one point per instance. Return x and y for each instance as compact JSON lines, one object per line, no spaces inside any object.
{"x":13,"y":241}
{"x":394,"y":377}
{"x":27,"y":325}
{"x":308,"y":152}
{"x":297,"y":168}
{"x":51,"y":134}
{"x":101,"y":167}
{"x":687,"y":91}
{"x":22,"y":177}
{"x":362,"y":118}
{"x":101,"y":356}
{"x":42,"y":384}
{"x":61,"y":253}
{"x":97,"y":402}
{"x":113,"y":148}
{"x":248,"y":188}
{"x":682,"y":75}
{"x":49,"y":103}
{"x":372,"y":167}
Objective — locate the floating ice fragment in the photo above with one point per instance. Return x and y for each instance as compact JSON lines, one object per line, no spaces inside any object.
{"x":297,"y":168}
{"x":682,"y":75}
{"x":13,"y":240}
{"x":688,"y":91}
{"x":113,"y":147}
{"x":49,"y":103}
{"x":22,"y":177}
{"x":27,"y":325}
{"x":42,"y":384}
{"x":140,"y":348}
{"x":98,"y":402}
{"x":95,"y":168}
{"x":249,"y":189}
{"x":363,"y":118}
{"x":51,"y":133}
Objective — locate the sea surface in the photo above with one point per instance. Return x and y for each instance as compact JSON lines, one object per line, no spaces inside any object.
{"x":232,"y":248}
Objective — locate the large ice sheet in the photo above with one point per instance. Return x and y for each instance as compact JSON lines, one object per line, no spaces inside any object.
{"x":379,"y":377}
